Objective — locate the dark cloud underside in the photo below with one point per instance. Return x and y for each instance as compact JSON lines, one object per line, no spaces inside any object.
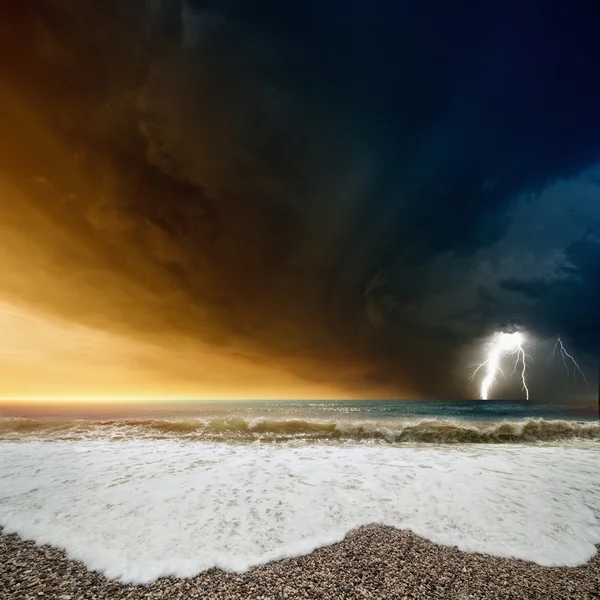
{"x":349,"y":191}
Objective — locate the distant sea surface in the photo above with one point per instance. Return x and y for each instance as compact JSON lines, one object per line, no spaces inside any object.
{"x":142,"y":491}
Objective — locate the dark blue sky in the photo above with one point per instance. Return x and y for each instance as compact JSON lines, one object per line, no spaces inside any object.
{"x":397,"y":179}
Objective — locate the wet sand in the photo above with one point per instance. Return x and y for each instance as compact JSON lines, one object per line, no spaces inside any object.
{"x":371,"y":562}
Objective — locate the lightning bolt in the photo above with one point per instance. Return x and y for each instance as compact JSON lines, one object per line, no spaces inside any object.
{"x":559,"y":347}
{"x":500,"y":346}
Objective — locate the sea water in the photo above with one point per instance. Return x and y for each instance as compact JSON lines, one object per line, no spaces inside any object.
{"x":177,"y":490}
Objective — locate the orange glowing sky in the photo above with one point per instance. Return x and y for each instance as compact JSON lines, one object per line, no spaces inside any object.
{"x":44,"y":358}
{"x":75,"y":329}
{"x":86,"y":317}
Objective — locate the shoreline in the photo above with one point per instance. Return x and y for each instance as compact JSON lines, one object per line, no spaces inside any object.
{"x":373,"y":561}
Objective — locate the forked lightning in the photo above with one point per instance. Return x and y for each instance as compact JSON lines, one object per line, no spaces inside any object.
{"x":500,"y":346}
{"x":558,"y":346}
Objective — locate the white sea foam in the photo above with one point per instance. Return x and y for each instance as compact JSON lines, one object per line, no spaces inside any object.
{"x":140,"y":509}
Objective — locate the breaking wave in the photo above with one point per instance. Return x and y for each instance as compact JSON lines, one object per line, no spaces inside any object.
{"x":274,"y":430}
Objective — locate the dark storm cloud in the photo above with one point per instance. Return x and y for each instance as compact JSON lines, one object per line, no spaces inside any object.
{"x":570,"y":302}
{"x":337,"y":179}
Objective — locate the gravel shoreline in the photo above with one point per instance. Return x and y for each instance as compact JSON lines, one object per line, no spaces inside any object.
{"x":371,"y":562}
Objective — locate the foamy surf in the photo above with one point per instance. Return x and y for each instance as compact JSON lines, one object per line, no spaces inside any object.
{"x":244,"y":429}
{"x":141,"y":509}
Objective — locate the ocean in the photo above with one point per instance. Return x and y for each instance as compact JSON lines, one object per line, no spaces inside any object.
{"x":174,"y":489}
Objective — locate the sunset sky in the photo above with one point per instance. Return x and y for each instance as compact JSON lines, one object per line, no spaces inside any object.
{"x":304,"y":200}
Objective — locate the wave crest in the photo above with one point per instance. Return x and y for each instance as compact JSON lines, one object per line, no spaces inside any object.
{"x":284,"y":429}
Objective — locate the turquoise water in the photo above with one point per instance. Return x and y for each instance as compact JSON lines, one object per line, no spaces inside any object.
{"x":476,"y":410}
{"x":472,"y":410}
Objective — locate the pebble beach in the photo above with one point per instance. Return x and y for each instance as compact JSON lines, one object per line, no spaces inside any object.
{"x":371,"y":562}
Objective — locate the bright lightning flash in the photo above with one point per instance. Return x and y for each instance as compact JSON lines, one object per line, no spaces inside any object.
{"x":500,"y":346}
{"x":559,"y":347}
